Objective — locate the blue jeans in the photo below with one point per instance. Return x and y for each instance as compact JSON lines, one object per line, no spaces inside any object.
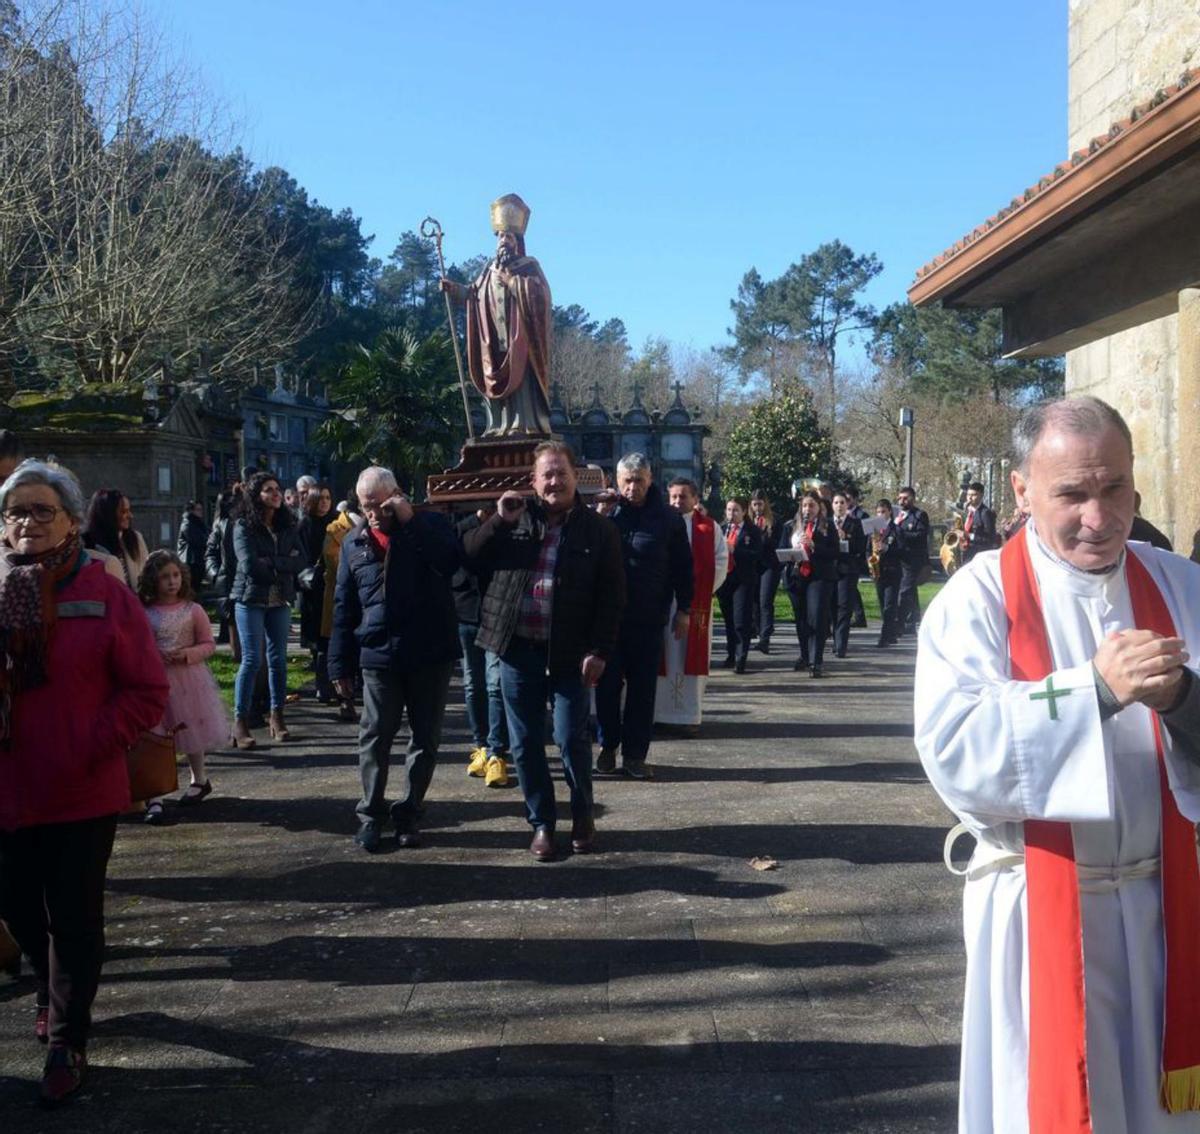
{"x":527,"y":688}
{"x":256,"y":626}
{"x":481,"y":692}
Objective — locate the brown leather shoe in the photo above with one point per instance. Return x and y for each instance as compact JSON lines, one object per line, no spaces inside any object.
{"x":542,"y":847}
{"x":583,"y":836}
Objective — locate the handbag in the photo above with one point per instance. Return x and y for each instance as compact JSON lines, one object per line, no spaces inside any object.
{"x":153,"y":771}
{"x":307,"y":577}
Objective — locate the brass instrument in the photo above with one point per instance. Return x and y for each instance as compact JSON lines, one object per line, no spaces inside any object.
{"x":873,"y":558}
{"x":952,"y":549}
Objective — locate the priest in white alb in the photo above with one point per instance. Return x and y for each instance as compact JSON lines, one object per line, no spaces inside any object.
{"x":684,"y":672}
{"x":1058,"y":715}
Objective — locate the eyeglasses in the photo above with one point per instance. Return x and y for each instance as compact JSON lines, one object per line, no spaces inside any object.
{"x":38,"y":513}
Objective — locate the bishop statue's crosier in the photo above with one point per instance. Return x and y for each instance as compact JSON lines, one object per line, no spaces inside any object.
{"x":509,"y":329}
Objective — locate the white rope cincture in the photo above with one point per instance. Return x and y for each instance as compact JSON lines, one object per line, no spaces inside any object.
{"x":1092,"y":879}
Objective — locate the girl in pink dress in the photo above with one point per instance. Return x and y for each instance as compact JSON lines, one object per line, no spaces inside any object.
{"x":184,"y":637}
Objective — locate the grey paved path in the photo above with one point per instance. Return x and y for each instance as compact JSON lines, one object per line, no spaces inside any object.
{"x":263,"y":973}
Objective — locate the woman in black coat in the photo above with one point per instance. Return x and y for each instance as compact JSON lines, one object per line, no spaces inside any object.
{"x":318,"y":512}
{"x":740,"y":590}
{"x":811,"y":582}
{"x":769,"y":568}
{"x":267,"y":548}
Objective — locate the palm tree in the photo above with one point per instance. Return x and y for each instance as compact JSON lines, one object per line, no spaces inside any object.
{"x":399,"y":406}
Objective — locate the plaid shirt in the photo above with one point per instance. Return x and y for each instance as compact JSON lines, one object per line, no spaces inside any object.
{"x":533,"y":618}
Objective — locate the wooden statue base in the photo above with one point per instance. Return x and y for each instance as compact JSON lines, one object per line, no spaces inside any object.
{"x":489,"y":468}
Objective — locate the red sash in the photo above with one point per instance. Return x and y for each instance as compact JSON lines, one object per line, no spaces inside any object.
{"x":1058,"y":1092}
{"x":704,"y":573}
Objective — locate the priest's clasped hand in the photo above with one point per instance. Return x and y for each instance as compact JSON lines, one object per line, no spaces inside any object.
{"x":1140,"y":665}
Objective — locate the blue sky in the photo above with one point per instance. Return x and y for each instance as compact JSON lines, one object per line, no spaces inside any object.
{"x":663,"y":147}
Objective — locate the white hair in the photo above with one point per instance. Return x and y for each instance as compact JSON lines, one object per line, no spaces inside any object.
{"x":61,"y":479}
{"x":1082,"y":416}
{"x":304,"y":482}
{"x":633,"y":463}
{"x":378,"y":475}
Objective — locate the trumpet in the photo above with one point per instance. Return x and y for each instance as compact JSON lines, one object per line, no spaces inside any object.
{"x":951,"y":552}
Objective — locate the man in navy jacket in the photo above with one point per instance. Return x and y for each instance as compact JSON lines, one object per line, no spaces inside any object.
{"x":658,"y":568}
{"x":393,"y":619}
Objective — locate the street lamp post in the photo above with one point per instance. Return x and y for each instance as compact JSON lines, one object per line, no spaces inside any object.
{"x":907,"y":420}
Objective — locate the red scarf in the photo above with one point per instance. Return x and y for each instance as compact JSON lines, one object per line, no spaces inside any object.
{"x":731,"y":538}
{"x":1058,"y":1092}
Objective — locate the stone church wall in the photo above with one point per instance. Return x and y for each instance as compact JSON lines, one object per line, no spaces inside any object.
{"x":1120,"y":53}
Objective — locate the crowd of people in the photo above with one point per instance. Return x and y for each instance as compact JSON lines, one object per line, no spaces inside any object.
{"x":590,"y":621}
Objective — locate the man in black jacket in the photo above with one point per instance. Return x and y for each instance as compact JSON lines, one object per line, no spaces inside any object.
{"x":888,"y":569}
{"x":912,"y":536}
{"x":979,"y":526}
{"x":192,"y":542}
{"x":658,"y":568}
{"x":393,"y":619}
{"x":551,"y":610}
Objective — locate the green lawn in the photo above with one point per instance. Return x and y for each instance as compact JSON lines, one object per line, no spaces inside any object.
{"x":866,"y":588}
{"x":224,"y":669}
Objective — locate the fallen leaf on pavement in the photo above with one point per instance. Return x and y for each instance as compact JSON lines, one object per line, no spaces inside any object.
{"x":763,"y":863}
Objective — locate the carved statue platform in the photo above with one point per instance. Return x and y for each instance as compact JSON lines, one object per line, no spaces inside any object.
{"x":490,"y":467}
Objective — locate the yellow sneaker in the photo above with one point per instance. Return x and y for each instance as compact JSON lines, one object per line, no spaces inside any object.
{"x":497,"y":772}
{"x":478,"y":762}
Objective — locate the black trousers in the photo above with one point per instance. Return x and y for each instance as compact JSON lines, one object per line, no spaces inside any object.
{"x":736,"y":609}
{"x":887,"y":588}
{"x":52,"y":896}
{"x":844,"y":596}
{"x":634,"y":665}
{"x":810,"y":608}
{"x":764,"y":607}
{"x":909,"y":601}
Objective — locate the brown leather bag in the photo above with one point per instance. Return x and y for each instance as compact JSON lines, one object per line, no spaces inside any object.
{"x":153,"y":771}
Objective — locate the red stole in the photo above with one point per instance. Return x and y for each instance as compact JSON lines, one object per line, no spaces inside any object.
{"x":1058,"y":1092}
{"x":704,"y":574}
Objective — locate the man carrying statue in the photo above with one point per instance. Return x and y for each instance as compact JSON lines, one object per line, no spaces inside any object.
{"x":509,"y":329}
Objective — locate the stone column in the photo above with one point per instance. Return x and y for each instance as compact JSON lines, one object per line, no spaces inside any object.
{"x":1187,"y":476}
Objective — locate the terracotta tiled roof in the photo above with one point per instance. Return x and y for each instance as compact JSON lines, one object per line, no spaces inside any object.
{"x":1077,"y":159}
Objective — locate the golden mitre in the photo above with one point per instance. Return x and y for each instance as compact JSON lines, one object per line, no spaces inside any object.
{"x":510,"y":214}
